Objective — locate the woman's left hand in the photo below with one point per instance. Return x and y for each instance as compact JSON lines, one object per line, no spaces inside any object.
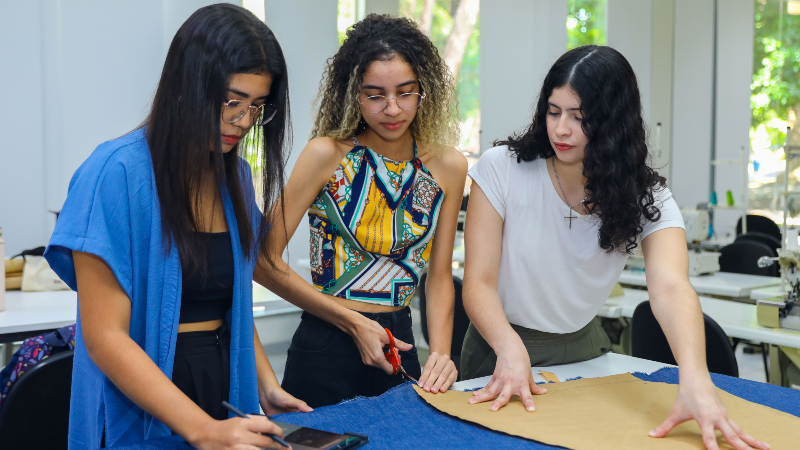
{"x":438,"y":374}
{"x":274,"y":400}
{"x":698,"y":400}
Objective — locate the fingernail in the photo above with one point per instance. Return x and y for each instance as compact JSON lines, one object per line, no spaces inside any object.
{"x":471,"y":401}
{"x":545,"y":391}
{"x":531,"y":409}
{"x":651,"y":433}
{"x":444,"y":390}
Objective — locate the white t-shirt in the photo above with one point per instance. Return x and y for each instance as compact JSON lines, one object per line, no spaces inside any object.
{"x":552,"y":278}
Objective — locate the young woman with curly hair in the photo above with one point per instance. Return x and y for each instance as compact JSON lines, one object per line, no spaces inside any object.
{"x":377,"y":180}
{"x":553,"y":215}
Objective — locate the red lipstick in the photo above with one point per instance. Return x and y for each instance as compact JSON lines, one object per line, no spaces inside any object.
{"x":562,"y":147}
{"x":231,"y":139}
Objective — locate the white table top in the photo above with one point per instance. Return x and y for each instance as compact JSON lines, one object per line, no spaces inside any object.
{"x":767,"y":292}
{"x":602,"y":366}
{"x":612,"y":309}
{"x":721,"y":283}
{"x":33,"y":311}
{"x":267,"y":303}
{"x":736,"y":319}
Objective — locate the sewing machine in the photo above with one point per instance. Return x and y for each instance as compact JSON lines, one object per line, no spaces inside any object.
{"x":701,"y":262}
{"x":783,"y":312}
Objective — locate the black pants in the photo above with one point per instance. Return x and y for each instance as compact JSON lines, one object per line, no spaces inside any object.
{"x":202,"y":368}
{"x":324,"y":365}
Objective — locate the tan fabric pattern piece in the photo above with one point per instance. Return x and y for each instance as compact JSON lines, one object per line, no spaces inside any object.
{"x":616,"y":413}
{"x":550,"y":376}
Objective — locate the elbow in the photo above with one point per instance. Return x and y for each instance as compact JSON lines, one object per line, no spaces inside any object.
{"x":99,"y":344}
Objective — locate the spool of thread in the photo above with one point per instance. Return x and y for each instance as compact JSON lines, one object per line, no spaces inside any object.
{"x":713,"y":198}
{"x":729,"y":197}
{"x":791,"y":236}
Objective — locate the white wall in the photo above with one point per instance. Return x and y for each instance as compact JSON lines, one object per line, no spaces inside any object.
{"x":734,"y":75}
{"x":306,"y":30}
{"x":91,"y":67}
{"x":520,"y":40}
{"x":692,"y":101}
{"x":89,"y":70}
{"x":381,"y":7}
{"x":643,"y":31}
{"x":22,"y":190}
{"x":662,"y":48}
{"x":629,"y":31}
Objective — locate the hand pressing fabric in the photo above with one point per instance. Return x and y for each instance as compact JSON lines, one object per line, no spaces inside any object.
{"x":438,"y":374}
{"x":512,"y":375}
{"x":698,"y":400}
{"x":274,"y":400}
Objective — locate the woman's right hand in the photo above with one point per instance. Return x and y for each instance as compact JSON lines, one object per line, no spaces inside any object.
{"x":370,"y":338}
{"x":238,"y":434}
{"x":512,"y":375}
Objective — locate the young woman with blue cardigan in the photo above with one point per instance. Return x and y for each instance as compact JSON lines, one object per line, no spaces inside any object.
{"x":160,"y":235}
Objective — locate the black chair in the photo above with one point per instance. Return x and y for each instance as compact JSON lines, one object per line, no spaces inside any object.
{"x":460,"y":319}
{"x":742,"y":257}
{"x":649,"y":342}
{"x":768,"y":239}
{"x":760,"y":224}
{"x":36,"y":412}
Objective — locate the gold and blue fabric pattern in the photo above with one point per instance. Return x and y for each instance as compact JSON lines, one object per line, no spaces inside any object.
{"x":372,"y":226}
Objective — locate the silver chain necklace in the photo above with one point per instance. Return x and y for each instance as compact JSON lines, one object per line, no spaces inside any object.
{"x":571,"y":208}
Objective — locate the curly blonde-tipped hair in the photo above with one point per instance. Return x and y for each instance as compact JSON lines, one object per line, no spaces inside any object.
{"x":381,"y":38}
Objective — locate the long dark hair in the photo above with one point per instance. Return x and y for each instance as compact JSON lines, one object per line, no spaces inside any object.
{"x":183,"y":128}
{"x":620,"y":182}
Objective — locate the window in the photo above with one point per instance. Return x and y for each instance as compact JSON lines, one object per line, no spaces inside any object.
{"x":586,"y":23}
{"x":775,"y":105}
{"x":453,"y":26}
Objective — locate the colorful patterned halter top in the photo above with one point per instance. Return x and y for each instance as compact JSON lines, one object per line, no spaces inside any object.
{"x":371,"y":228}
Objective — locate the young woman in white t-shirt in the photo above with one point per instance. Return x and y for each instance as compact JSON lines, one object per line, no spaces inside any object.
{"x":553,"y":215}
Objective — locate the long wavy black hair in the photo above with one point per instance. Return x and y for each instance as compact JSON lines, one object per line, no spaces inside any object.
{"x":183,"y":128}
{"x":620,"y":183}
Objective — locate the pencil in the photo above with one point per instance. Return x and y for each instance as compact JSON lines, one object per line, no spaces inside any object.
{"x":236,"y":411}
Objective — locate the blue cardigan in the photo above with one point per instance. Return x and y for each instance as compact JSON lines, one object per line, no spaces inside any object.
{"x":112,"y":211}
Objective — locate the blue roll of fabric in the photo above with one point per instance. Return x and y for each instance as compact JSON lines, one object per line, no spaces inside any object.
{"x":401,"y":419}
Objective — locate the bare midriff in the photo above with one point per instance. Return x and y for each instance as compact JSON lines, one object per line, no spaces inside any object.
{"x":365,"y":307}
{"x":200,"y":326}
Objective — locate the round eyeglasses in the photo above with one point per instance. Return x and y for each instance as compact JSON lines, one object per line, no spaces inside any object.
{"x":407,"y":102}
{"x":233,"y":110}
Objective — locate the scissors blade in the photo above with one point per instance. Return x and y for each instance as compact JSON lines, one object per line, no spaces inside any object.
{"x":403,"y":371}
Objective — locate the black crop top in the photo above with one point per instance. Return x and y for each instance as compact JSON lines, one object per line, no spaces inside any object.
{"x":209,"y":296}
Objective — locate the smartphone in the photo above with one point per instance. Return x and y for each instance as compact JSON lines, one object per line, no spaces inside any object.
{"x":303,"y":438}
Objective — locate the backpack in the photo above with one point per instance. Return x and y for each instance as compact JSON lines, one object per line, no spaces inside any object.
{"x":31,"y":352}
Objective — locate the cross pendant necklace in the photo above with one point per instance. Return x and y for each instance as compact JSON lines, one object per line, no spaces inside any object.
{"x":570,"y":216}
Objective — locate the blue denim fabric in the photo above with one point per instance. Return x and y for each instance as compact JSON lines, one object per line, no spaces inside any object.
{"x":401,"y":419}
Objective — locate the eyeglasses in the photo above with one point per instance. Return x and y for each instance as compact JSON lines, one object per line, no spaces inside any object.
{"x":407,"y":102}
{"x":233,"y":110}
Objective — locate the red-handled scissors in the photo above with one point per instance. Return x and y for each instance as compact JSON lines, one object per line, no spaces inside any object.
{"x":394,"y":358}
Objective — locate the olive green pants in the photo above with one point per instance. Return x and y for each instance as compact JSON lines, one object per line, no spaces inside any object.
{"x":544,"y":349}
